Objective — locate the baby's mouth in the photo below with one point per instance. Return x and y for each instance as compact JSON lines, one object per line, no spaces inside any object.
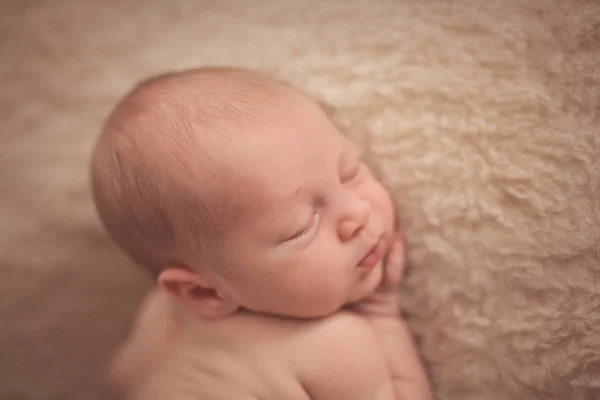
{"x":373,"y":257}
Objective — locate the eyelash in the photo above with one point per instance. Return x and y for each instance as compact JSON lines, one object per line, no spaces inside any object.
{"x":315,"y":220}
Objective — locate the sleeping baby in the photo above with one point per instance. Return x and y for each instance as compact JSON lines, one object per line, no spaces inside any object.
{"x":273,"y":246}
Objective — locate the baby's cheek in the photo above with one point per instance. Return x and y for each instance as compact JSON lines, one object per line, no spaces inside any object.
{"x":325,"y":295}
{"x":388,"y":208}
{"x":382,"y":202}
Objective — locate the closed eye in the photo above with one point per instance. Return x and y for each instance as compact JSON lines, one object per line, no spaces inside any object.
{"x":313,"y":222}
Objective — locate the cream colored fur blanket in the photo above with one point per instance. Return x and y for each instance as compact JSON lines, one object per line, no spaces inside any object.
{"x":481,"y":116}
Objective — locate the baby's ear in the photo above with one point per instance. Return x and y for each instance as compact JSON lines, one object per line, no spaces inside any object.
{"x":195,"y":293}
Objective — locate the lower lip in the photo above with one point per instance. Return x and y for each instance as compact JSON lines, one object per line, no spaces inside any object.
{"x":371,"y":260}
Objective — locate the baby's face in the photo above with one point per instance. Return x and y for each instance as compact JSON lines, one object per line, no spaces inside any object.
{"x":315,"y":222}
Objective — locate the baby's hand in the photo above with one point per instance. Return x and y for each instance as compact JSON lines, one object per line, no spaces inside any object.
{"x":384,"y":300}
{"x":393,"y":268}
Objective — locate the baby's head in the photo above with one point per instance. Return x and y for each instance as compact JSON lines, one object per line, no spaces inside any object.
{"x":237,"y":191}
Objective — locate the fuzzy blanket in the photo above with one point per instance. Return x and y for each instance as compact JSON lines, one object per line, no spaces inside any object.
{"x":481,"y":116}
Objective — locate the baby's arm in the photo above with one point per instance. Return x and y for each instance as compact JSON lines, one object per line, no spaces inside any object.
{"x":408,"y":375}
{"x":341,"y":359}
{"x":382,"y":312}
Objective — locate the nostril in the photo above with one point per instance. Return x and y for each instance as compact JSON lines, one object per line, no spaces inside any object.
{"x":357,"y":231}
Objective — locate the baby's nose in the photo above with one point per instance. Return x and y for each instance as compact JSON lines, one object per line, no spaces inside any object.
{"x":353,"y":223}
{"x":349,"y":228}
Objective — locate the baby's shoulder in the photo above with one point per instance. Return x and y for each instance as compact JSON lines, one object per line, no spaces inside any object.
{"x":275,"y":340}
{"x":338,"y":331}
{"x":340,"y":357}
{"x":342,"y":325}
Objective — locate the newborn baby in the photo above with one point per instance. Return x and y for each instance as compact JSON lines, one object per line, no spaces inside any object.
{"x":272,"y":243}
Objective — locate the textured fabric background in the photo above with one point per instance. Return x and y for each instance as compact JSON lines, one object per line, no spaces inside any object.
{"x":481,"y":116}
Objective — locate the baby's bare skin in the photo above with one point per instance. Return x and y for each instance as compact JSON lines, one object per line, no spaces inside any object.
{"x":256,"y":357}
{"x":272,"y":241}
{"x":362,"y":352}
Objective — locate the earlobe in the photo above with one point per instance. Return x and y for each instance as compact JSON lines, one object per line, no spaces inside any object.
{"x":198,"y":295}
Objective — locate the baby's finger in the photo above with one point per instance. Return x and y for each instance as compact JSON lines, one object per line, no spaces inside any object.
{"x":395,"y":260}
